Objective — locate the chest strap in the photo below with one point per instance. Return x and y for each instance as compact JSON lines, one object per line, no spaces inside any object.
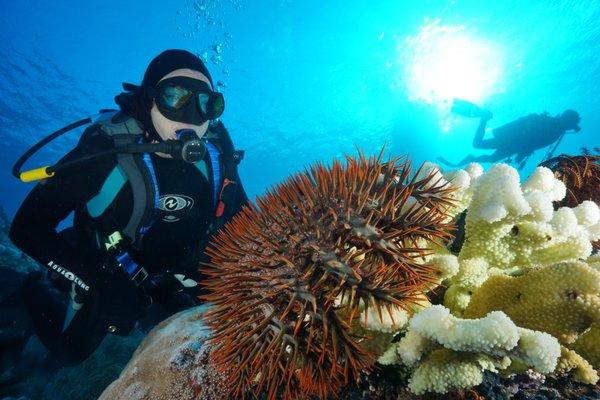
{"x":139,"y":172}
{"x":145,"y":196}
{"x":215,"y":164}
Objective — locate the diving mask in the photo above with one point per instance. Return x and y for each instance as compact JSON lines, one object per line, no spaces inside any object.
{"x":188,"y":100}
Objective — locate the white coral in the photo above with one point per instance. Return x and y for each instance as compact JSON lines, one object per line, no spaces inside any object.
{"x":469,"y":347}
{"x":410,"y":349}
{"x":494,"y":332}
{"x":587,"y":213}
{"x":538,"y":349}
{"x":542,"y":180}
{"x":498,"y":194}
{"x":447,"y":265}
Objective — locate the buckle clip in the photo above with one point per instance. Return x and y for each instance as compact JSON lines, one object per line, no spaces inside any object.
{"x":140,"y":276}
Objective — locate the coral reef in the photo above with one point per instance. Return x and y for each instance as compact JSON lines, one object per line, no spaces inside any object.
{"x":172,"y":363}
{"x":446,"y":370}
{"x":172,"y":356}
{"x":581,"y":176}
{"x":568,"y":307}
{"x":588,"y":344}
{"x":516,"y":246}
{"x":290,"y":277}
{"x":345,"y":265}
{"x":389,"y":383}
{"x":509,"y":227}
{"x":470,"y":346}
{"x":580,"y":369}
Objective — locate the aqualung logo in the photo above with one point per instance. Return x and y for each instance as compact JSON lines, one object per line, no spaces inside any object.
{"x":69,"y":275}
{"x":171,"y":204}
{"x":174,"y":206}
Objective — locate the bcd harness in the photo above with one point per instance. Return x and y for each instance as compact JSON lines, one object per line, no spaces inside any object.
{"x":137,"y":169}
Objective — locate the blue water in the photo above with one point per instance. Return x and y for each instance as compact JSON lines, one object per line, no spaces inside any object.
{"x":305,"y":80}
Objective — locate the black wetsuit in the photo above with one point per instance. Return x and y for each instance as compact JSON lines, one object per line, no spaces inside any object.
{"x":173,"y":244}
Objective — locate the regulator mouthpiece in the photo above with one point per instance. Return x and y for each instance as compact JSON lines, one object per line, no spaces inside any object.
{"x":192,"y":148}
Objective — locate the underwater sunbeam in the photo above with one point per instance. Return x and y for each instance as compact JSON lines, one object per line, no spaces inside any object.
{"x":444,"y":62}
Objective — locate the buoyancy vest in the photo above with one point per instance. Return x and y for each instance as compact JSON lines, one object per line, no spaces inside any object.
{"x":137,"y":169}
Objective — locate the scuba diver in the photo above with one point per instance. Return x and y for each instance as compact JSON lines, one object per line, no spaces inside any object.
{"x":516,"y":140}
{"x":149,"y":185}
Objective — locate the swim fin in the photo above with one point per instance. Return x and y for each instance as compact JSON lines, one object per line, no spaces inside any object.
{"x":469,"y":110}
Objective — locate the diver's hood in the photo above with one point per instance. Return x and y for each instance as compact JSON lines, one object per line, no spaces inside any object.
{"x":135,"y":101}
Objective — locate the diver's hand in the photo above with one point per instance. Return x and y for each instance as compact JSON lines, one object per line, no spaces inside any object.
{"x":171,"y":290}
{"x":185,"y":282}
{"x":160,"y":284}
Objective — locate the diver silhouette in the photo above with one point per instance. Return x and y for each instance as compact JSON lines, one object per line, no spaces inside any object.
{"x":516,"y":140}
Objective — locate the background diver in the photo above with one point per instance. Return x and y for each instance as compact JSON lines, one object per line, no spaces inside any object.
{"x":516,"y":140}
{"x":141,"y":220}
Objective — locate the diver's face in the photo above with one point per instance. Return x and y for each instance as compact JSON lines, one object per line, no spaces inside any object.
{"x":167,"y":128}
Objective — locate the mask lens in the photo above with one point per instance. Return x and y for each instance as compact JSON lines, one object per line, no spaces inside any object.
{"x":203,"y":99}
{"x":174,"y":99}
{"x":211,"y":104}
{"x":175,"y":96}
{"x":218,"y":105}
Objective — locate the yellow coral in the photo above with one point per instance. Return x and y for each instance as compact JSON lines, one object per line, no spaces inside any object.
{"x":521,"y":256}
{"x":509,"y":227}
{"x":494,"y":335}
{"x":513,"y":227}
{"x":588,"y":345}
{"x":561,"y":299}
{"x":472,"y":274}
{"x":580,"y":369}
{"x":445,"y":370}
{"x":594,"y":261}
{"x":408,"y":351}
{"x":523,"y":241}
{"x":470,"y":346}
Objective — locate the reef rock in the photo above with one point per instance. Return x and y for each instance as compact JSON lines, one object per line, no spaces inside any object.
{"x":171,"y":364}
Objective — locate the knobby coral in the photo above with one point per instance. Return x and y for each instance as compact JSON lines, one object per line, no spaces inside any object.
{"x":581,"y":176}
{"x":510,"y":226}
{"x":569,"y":308}
{"x":520,"y":258}
{"x":290,"y":278}
{"x":562,"y":299}
{"x":452,"y":352}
